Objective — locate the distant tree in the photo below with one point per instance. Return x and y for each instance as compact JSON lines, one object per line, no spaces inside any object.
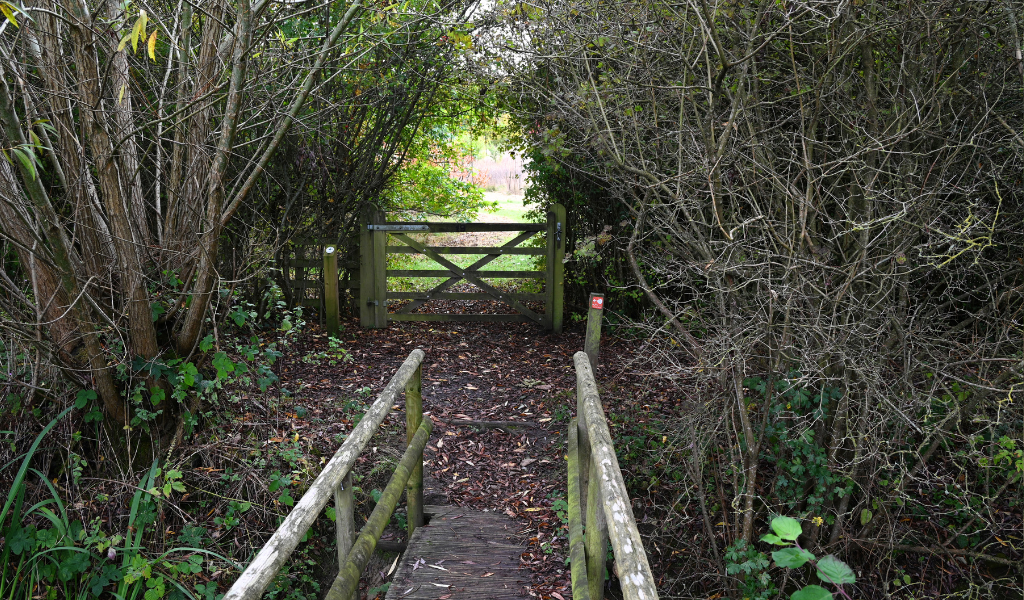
{"x":134,"y":133}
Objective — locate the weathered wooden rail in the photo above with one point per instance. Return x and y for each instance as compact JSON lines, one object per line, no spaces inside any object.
{"x":598,"y":494}
{"x":336,"y":481}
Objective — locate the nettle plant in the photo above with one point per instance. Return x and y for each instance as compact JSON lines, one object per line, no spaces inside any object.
{"x":829,"y":568}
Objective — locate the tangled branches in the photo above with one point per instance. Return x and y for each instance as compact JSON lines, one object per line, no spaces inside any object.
{"x":827,"y":197}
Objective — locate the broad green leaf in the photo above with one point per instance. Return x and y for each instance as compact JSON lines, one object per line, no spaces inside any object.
{"x":5,"y":7}
{"x":206,"y":344}
{"x":865,"y":516}
{"x":83,"y":398}
{"x":771,"y":538}
{"x":833,"y":570}
{"x":793,"y":558}
{"x":25,"y":161}
{"x":812,"y":592}
{"x":787,"y":528}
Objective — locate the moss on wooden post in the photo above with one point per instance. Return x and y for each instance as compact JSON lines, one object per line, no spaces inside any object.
{"x":577,"y":552}
{"x":347,"y":582}
{"x":413,"y":417}
{"x":331,"y":315}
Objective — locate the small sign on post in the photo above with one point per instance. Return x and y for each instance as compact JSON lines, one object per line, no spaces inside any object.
{"x":592,"y":341}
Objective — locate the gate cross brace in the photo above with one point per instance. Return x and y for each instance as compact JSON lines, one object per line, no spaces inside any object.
{"x":444,"y":285}
{"x":474,"y":279}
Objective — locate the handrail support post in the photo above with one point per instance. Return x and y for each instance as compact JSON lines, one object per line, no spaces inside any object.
{"x":413,"y":418}
{"x":344,"y":518}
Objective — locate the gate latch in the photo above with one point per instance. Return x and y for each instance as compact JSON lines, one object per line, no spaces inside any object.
{"x":372,"y":303}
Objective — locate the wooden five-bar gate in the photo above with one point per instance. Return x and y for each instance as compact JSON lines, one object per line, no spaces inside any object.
{"x":368,"y":284}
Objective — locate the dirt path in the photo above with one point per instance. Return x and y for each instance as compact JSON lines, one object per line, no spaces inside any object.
{"x":475,"y":372}
{"x":498,"y":375}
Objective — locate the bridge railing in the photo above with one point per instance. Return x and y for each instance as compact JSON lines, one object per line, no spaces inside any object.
{"x":336,"y":481}
{"x":597,"y":495}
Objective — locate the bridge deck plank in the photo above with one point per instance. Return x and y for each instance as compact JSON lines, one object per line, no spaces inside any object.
{"x":477,"y":550}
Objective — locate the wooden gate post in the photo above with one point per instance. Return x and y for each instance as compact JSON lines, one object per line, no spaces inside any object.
{"x":373,"y":309}
{"x":555,"y":274}
{"x":380,"y":272}
{"x":330,"y":274}
{"x":366,"y":268}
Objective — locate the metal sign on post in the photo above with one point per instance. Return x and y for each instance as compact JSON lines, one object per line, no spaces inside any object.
{"x":592,"y":341}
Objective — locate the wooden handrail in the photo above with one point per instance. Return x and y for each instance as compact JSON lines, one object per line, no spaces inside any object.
{"x":335,"y":481}
{"x":347,"y":581}
{"x":593,"y":464}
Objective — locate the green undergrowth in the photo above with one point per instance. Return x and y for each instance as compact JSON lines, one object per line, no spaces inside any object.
{"x":78,"y":522}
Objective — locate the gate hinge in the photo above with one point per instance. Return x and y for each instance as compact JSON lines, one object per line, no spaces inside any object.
{"x":396,"y":227}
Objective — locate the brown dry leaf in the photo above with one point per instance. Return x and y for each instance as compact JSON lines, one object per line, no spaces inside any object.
{"x":487,"y":574}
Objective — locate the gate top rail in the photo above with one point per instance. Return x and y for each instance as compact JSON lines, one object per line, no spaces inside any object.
{"x":262,"y":570}
{"x":434,"y":227}
{"x":608,"y":489}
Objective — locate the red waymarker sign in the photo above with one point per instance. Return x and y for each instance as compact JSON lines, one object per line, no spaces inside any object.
{"x":597,"y":302}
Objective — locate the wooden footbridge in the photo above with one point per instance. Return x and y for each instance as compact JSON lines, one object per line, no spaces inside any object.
{"x":456,"y":553}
